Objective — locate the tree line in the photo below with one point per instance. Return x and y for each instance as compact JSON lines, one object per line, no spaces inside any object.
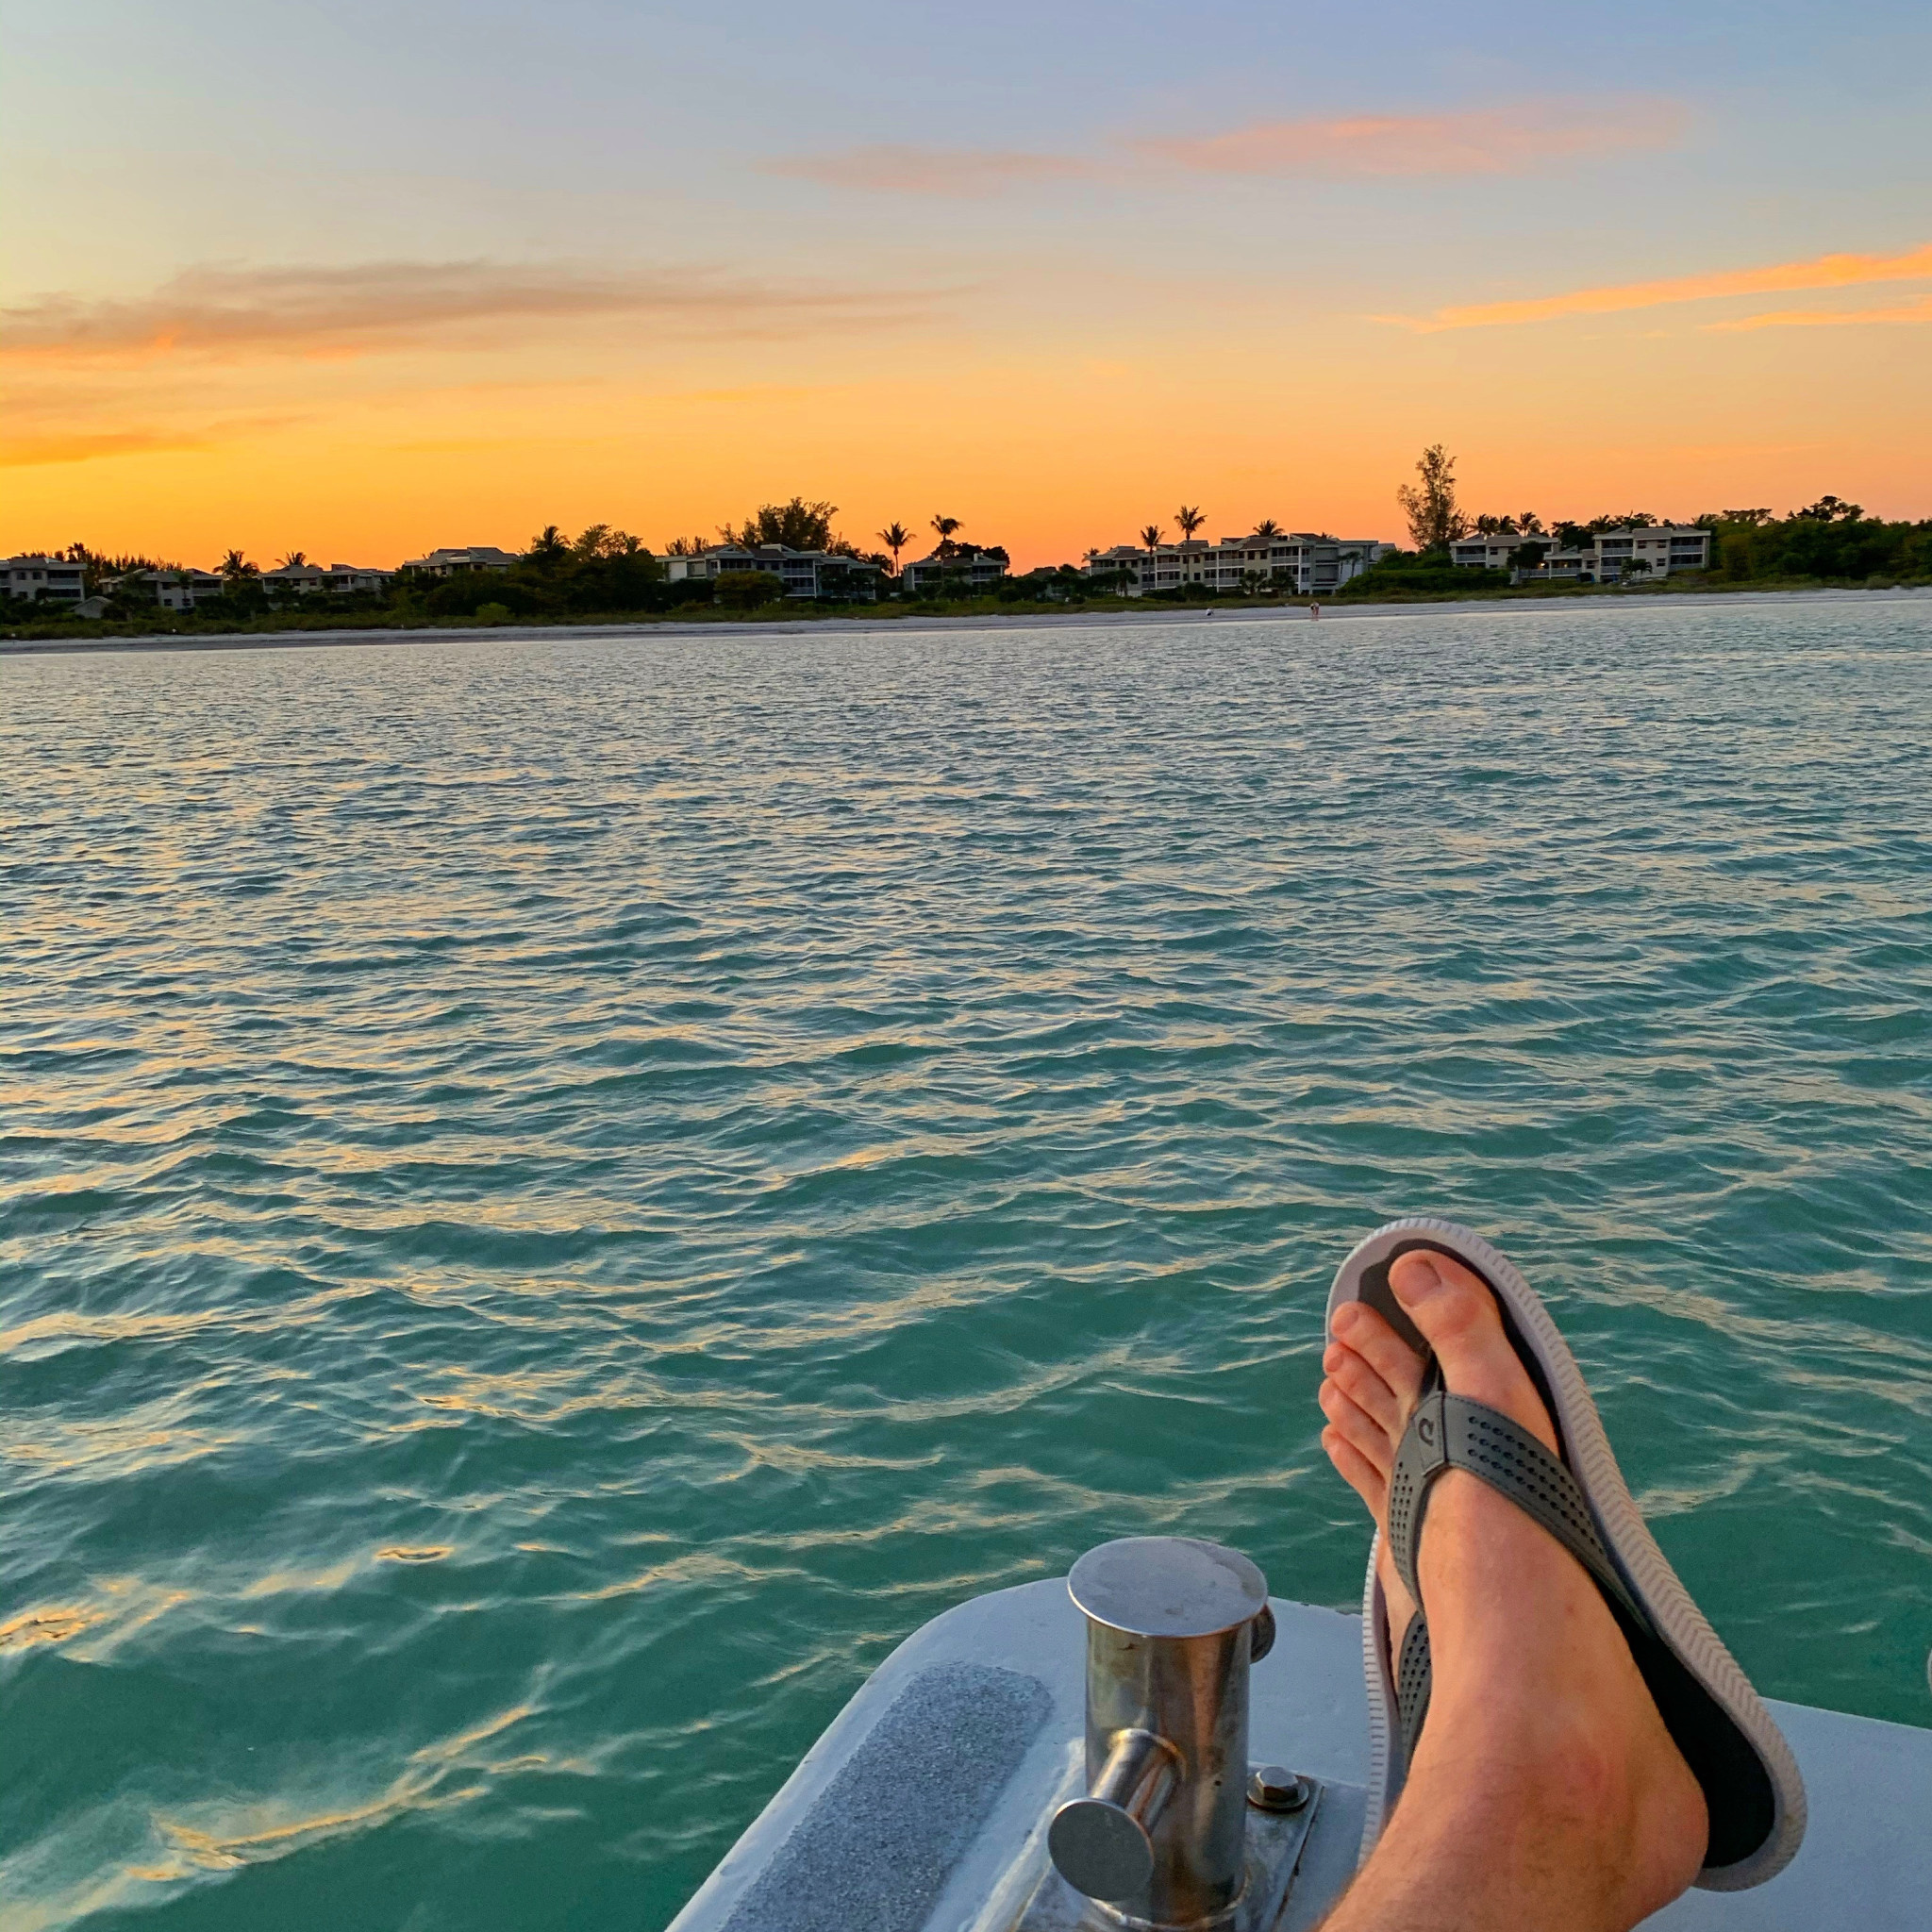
{"x":608,"y":571}
{"x":603,"y":569}
{"x":1831,"y":539}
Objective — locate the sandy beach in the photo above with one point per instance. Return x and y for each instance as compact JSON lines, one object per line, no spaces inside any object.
{"x":1168,"y":615}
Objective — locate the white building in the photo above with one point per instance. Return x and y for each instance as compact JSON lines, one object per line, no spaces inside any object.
{"x":176,"y":589}
{"x":1665,"y":548}
{"x":803,"y":572}
{"x":451,"y":563}
{"x":969,"y":568}
{"x":1291,"y":560}
{"x":1490,"y":552}
{"x":306,"y":579}
{"x":35,"y":576}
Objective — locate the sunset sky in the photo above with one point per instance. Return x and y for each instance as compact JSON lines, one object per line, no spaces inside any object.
{"x":365,"y":278}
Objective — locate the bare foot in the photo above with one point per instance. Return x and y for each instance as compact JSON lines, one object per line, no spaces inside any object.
{"x":1545,"y":1791}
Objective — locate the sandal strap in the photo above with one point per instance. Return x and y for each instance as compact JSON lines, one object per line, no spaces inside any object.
{"x":1414,"y":1678}
{"x":1453,"y":1432}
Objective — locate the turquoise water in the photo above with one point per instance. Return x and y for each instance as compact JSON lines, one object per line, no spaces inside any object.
{"x":558,"y":1197}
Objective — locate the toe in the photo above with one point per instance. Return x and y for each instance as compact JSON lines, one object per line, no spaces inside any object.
{"x":1357,"y":1471}
{"x":1457,"y":1316}
{"x":1355,"y":1377}
{"x":1358,"y":1326}
{"x":1368,"y":1438}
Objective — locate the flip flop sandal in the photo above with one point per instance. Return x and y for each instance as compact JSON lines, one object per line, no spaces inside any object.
{"x":1752,"y":1789}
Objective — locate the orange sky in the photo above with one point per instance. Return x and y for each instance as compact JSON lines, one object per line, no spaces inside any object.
{"x":1264,"y":303}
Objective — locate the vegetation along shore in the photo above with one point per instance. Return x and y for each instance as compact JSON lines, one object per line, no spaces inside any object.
{"x":787,"y":561}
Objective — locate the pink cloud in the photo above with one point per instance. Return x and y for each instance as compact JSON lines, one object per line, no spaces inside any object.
{"x":1493,"y":141}
{"x":1822,"y":272}
{"x":334,"y":312}
{"x":1920,"y":311}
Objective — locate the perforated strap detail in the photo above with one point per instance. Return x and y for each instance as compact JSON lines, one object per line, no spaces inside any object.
{"x":1413,"y":1678}
{"x":1451,"y":1432}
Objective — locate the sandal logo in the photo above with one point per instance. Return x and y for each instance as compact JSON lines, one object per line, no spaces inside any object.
{"x":1425,"y":1428}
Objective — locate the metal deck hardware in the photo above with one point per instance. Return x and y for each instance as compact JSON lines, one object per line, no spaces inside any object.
{"x":1161,"y":1838}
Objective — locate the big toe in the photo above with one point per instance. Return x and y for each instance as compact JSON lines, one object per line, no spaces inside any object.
{"x":1457,"y":1312}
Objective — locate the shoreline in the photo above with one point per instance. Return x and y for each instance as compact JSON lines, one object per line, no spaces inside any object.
{"x":1182,"y":616}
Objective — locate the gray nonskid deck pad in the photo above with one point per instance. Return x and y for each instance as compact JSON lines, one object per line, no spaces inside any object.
{"x":880,"y":1840}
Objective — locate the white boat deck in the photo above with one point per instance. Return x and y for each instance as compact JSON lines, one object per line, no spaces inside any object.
{"x":923,"y":1808}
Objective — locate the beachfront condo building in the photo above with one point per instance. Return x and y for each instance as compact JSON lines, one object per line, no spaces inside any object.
{"x":1291,"y":560}
{"x":306,"y":579}
{"x":803,"y":572}
{"x":1665,"y":547}
{"x":966,"y":569}
{"x":37,"y":576}
{"x":1656,"y":550}
{"x":1491,"y":550}
{"x":455,"y":564}
{"x":183,"y":589}
{"x":174,"y":589}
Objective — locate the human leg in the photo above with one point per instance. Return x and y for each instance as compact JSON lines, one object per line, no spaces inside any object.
{"x":1545,"y":1789}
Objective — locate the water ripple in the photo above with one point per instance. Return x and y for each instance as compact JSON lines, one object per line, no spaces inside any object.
{"x":556,"y":1198}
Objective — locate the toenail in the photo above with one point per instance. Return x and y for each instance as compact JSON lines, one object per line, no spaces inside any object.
{"x":1418,"y":1277}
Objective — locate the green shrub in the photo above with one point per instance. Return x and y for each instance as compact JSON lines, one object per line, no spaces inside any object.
{"x":1430,"y":574}
{"x":466,"y":595}
{"x":747,"y":589}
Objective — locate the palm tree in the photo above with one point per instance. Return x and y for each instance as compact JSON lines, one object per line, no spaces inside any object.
{"x":234,"y":565}
{"x":295,"y":560}
{"x":895,"y":536}
{"x":945,"y":527}
{"x":1268,"y":529}
{"x":549,"y":547}
{"x":1190,"y":519}
{"x":1150,"y":535}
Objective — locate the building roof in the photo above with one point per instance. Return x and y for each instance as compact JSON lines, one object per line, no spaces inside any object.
{"x":780,"y":553}
{"x":1199,"y":546}
{"x":450,"y":553}
{"x":966,"y":552}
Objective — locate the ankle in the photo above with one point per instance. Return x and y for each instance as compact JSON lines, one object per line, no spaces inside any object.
{"x":1593,"y":1788}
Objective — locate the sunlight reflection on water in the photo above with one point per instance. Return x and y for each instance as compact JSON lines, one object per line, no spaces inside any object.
{"x":590,"y":1186}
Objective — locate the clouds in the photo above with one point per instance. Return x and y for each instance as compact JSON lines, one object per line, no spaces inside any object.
{"x":218,"y":355}
{"x":1515,"y":139}
{"x":362,"y":309}
{"x":1822,"y":272}
{"x":32,"y":451}
{"x":1496,"y":141}
{"x":1918,"y":312}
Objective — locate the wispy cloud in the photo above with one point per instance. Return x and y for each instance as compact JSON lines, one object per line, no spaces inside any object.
{"x":1822,"y":271}
{"x":361,"y":308}
{"x":1920,"y":311}
{"x":31,"y":452}
{"x":966,"y":172}
{"x":1491,"y":140}
{"x":1509,"y":140}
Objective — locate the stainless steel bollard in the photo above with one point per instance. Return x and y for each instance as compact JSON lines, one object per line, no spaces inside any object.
{"x":1172,"y":1626}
